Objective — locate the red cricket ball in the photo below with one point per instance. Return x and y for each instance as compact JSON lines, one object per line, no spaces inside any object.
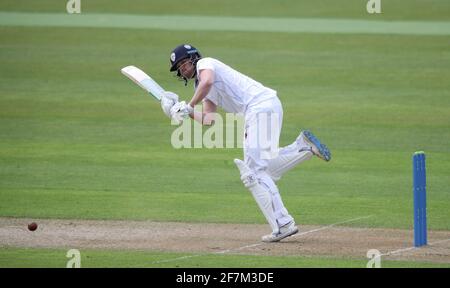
{"x":32,"y":226}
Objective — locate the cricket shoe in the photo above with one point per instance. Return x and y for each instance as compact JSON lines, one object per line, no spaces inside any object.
{"x":317,"y":148}
{"x":285,"y":231}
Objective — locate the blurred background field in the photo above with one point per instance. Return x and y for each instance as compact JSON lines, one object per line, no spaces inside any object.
{"x":78,"y":140}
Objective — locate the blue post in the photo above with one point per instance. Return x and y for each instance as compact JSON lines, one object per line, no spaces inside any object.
{"x":420,"y":199}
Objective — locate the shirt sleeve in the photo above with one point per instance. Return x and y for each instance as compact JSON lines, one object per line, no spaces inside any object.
{"x":205,"y":63}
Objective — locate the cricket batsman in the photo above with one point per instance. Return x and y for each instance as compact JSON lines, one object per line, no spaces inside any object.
{"x":218,"y":85}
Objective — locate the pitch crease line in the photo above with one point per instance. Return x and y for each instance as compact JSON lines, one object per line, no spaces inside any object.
{"x":399,"y":251}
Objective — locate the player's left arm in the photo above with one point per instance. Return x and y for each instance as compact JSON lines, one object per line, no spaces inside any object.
{"x":207,"y":115}
{"x":206,"y":77}
{"x":181,"y":110}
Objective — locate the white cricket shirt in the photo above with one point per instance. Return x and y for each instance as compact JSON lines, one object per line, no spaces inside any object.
{"x":232,"y":90}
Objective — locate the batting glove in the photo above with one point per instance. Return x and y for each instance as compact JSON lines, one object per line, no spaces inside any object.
{"x":181,"y":111}
{"x":168,"y":100}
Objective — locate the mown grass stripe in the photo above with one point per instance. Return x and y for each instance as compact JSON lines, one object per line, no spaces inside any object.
{"x":242,"y":24}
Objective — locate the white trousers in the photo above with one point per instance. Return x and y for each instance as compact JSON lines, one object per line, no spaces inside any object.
{"x":263,"y":124}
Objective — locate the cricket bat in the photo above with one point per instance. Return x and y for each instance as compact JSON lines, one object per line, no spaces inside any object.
{"x":144,"y":81}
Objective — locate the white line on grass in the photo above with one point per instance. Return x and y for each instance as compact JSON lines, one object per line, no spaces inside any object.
{"x":260,"y":243}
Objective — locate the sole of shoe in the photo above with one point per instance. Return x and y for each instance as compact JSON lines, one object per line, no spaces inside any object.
{"x":322,"y":150}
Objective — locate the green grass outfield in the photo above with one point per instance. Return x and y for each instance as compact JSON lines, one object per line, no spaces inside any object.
{"x":56,"y":258}
{"x":78,"y":140}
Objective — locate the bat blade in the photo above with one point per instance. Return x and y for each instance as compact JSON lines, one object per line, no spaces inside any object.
{"x":144,"y":81}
